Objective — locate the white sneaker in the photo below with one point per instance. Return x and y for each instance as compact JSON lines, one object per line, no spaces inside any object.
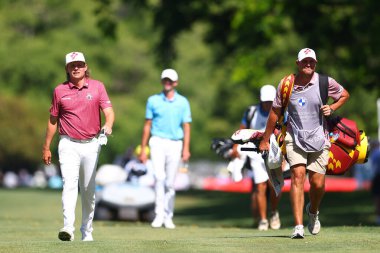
{"x":87,"y":237}
{"x":169,"y":224}
{"x":298,"y":232}
{"x":314,"y":225}
{"x":65,"y":235}
{"x":157,"y":222}
{"x":263,"y":225}
{"x":274,"y":220}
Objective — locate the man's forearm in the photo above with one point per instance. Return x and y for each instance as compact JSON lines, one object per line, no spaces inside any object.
{"x":145,"y":134}
{"x":109,"y":116}
{"x":186,"y":137}
{"x":271,"y":123}
{"x":342,"y":100}
{"x":50,"y":131}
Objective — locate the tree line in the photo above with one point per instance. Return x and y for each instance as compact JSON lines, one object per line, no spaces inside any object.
{"x":223,"y":50}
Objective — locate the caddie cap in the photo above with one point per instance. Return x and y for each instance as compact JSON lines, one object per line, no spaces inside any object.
{"x":267,"y":93}
{"x":306,"y":53}
{"x":169,"y":73}
{"x":74,"y":56}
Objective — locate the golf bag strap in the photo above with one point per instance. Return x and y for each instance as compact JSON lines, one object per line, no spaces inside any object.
{"x":287,"y":84}
{"x":249,"y":114}
{"x":324,"y":87}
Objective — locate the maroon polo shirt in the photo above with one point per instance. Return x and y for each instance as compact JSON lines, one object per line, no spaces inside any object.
{"x":78,"y":110}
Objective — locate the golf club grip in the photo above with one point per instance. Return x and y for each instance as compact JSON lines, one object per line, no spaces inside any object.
{"x":249,"y":149}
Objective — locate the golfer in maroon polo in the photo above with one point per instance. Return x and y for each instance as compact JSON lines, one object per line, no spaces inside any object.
{"x":75,"y":111}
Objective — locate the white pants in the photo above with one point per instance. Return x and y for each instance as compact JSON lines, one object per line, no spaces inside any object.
{"x":259,"y":172}
{"x":78,"y":163}
{"x":166,"y":157}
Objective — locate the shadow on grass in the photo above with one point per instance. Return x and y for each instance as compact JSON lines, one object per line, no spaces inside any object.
{"x":223,"y":209}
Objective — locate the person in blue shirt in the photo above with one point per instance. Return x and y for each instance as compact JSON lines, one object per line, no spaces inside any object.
{"x":255,"y":117}
{"x":167,"y":128}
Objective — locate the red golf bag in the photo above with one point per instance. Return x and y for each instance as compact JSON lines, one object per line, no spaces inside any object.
{"x":349,"y":145}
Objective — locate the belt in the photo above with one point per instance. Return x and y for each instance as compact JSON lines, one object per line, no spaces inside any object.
{"x":78,"y":140}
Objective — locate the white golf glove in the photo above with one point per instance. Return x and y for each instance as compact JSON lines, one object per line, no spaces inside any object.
{"x":102,"y":139}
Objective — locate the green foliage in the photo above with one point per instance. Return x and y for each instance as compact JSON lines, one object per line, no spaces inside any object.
{"x":224,"y":51}
{"x":256,"y":42}
{"x":23,"y":124}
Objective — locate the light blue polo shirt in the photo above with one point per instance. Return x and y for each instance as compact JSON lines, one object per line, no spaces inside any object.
{"x":168,"y":115}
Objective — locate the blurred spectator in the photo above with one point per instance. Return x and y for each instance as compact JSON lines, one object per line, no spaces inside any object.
{"x":10,"y":180}
{"x":55,"y":182}
{"x":39,"y":179}
{"x":25,"y":178}
{"x":375,"y":164}
{"x":123,"y":159}
{"x":50,"y":170}
{"x":363,"y":174}
{"x":139,"y":172}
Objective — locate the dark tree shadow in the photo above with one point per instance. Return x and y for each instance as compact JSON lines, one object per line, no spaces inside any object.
{"x":223,"y":209}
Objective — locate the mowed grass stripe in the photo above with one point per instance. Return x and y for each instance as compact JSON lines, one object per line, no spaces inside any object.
{"x":207,"y":222}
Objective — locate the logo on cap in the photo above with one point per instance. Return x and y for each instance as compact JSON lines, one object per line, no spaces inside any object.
{"x":73,"y":55}
{"x":307,"y":51}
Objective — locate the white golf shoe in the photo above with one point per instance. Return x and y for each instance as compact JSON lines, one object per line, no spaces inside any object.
{"x":314,"y":225}
{"x":274,"y":220}
{"x":65,"y":235}
{"x":169,"y":224}
{"x":263,"y":225}
{"x":87,"y":237}
{"x":298,"y":232}
{"x":157,"y":222}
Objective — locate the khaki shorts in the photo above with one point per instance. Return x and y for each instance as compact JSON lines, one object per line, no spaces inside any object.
{"x":314,"y":161}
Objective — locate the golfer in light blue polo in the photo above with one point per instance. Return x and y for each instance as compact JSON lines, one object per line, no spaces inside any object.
{"x":167,"y":123}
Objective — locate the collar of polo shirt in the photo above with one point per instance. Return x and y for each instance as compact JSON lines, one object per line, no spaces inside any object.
{"x":170,"y":100}
{"x":72,"y":86}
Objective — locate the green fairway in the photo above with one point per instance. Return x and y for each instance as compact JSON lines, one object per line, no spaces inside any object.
{"x":206,"y":222}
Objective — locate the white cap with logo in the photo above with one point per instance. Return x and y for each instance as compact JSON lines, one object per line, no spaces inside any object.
{"x":306,"y":53}
{"x":169,"y":73}
{"x":267,"y":93}
{"x":74,"y":56}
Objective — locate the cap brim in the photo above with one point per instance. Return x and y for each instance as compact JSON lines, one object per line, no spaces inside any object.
{"x":166,"y":77}
{"x":306,"y":58}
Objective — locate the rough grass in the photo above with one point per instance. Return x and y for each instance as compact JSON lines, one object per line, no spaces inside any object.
{"x":206,"y":222}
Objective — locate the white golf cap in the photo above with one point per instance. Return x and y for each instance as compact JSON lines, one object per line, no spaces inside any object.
{"x":267,"y":93}
{"x":74,"y":56}
{"x":169,"y":73}
{"x":306,"y":53}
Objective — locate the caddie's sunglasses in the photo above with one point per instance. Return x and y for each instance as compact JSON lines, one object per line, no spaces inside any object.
{"x":76,"y":65}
